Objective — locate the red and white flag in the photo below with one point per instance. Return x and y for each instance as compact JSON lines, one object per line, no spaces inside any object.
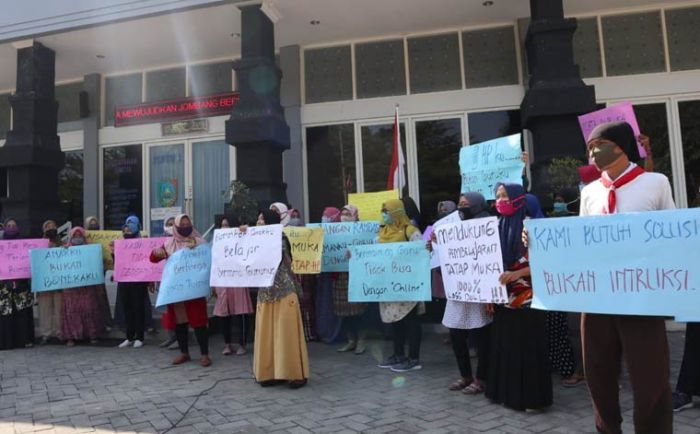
{"x":397,"y":169}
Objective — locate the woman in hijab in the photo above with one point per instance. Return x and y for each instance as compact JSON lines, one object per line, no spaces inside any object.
{"x":132,"y":295}
{"x":444,"y":208}
{"x":92,"y":223}
{"x":233,"y":303}
{"x":519,"y":374}
{"x":283,"y":211}
{"x":280,"y":349}
{"x":295,"y":218}
{"x":16,"y":304}
{"x":328,"y":325}
{"x":404,"y":316}
{"x":50,"y":302}
{"x":191,"y":312}
{"x":168,"y":323}
{"x":83,"y":316}
{"x":351,"y":313}
{"x":464,"y":318}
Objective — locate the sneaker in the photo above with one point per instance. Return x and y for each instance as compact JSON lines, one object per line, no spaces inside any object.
{"x":360,"y":348}
{"x":126,"y":343}
{"x":407,"y":365}
{"x":391,"y":361}
{"x":174,"y":346}
{"x":241,"y":351}
{"x":138,"y":343}
{"x":350,"y":346}
{"x":682,"y":401}
{"x":167,"y":343}
{"x":227,"y":350}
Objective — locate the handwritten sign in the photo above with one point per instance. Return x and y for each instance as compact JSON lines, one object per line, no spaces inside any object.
{"x":390,"y":272}
{"x":14,"y":258}
{"x":307,"y":249}
{"x":369,"y":205}
{"x":337,"y":239}
{"x":104,"y":238}
{"x":471,"y":261}
{"x":61,"y":268}
{"x":485,"y":164}
{"x":185,"y":276}
{"x":629,"y":264}
{"x":623,"y":112}
{"x":132,"y":260}
{"x":450,"y":218}
{"x":247,"y":259}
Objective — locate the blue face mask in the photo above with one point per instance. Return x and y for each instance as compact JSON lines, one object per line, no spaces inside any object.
{"x":325,"y":219}
{"x":387,"y":218}
{"x":560,"y":208}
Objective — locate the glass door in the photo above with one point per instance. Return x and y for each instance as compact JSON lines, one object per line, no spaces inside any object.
{"x":377,"y":146}
{"x":689,"y":119}
{"x":167,"y":184}
{"x":211,"y":177}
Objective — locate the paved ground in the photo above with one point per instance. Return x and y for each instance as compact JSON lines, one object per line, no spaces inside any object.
{"x":54,"y":389}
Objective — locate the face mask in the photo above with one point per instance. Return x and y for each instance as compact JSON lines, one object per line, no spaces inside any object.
{"x":296,"y":221}
{"x":94,"y":227}
{"x":10,"y":233}
{"x":50,"y":233}
{"x":325,"y":219}
{"x":346,"y":218}
{"x":185,"y":231}
{"x":387,"y":218}
{"x":506,"y":208}
{"x":129,"y":236}
{"x":168,"y":230}
{"x":77,"y":241}
{"x":604,"y":155}
{"x":465,"y":213}
{"x":560,"y":208}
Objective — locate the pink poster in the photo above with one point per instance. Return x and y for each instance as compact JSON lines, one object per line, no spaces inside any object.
{"x":14,"y":258}
{"x":132,"y":260}
{"x":615,"y":113}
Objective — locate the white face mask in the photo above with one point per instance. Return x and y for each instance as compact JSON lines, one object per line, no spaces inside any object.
{"x":325,"y":219}
{"x":168,"y":230}
{"x":346,"y":218}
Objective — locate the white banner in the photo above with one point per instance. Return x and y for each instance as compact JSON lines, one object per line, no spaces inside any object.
{"x":453,"y":217}
{"x":471,"y":261}
{"x":247,"y":259}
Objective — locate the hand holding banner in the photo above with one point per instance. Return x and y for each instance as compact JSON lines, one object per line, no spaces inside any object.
{"x":307,"y":249}
{"x":485,"y":164}
{"x":471,"y":261}
{"x":390,"y":272}
{"x":246,"y":259}
{"x":185,"y":276}
{"x":14,"y":257}
{"x":369,"y":205}
{"x":337,"y":239}
{"x":71,"y":267}
{"x":450,"y":218}
{"x":132,"y":260}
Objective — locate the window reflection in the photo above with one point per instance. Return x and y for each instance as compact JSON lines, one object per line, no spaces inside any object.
{"x":377,"y":145}
{"x":653,"y":123}
{"x":689,"y":112}
{"x":122,"y":184}
{"x":485,"y":126}
{"x":70,"y":187}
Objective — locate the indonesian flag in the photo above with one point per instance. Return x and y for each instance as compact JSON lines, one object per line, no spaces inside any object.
{"x":397,"y":176}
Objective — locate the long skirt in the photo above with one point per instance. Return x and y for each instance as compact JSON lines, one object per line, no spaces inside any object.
{"x":519,"y":374}
{"x":83,"y":313}
{"x":280,"y":348}
{"x":17,"y":329}
{"x":561,"y":354}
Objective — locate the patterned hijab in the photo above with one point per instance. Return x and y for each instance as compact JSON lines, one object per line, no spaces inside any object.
{"x":178,"y":241}
{"x":400,"y":228}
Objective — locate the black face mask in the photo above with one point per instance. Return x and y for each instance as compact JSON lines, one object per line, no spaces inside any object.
{"x":129,"y":236}
{"x":185,"y":231}
{"x":465,"y":213}
{"x":50,"y":233}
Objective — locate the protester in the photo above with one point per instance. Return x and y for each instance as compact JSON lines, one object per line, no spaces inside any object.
{"x":328,"y":324}
{"x":283,"y":211}
{"x":404,"y":316}
{"x":295,"y":218}
{"x":83,"y":314}
{"x":193,"y":313}
{"x":280,"y":349}
{"x":50,"y":302}
{"x":16,"y":303}
{"x":167,"y":323}
{"x":688,"y":383}
{"x":133,"y":295}
{"x":444,"y":209}
{"x":464,"y":319}
{"x":413,"y":212}
{"x":625,"y":187}
{"x":92,"y":223}
{"x":519,"y":373}
{"x":233,"y":303}
{"x":351,"y":313}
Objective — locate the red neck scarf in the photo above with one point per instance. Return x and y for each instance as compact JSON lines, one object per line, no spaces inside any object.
{"x":619,"y":182}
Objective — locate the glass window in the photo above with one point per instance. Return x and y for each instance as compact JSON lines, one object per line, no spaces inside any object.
{"x":3,"y":184}
{"x":587,"y":47}
{"x":377,"y":144}
{"x":165,"y":84}
{"x":210,"y":79}
{"x":330,"y":157}
{"x":68,"y":97}
{"x":689,"y":113}
{"x":490,"y":57}
{"x":5,"y":115}
{"x":211,"y":177}
{"x":485,"y":126}
{"x":438,"y":143}
{"x":653,"y":123}
{"x":70,"y":187}
{"x":633,"y":43}
{"x":380,"y":69}
{"x":683,"y":38}
{"x":328,"y":74}
{"x":122,"y":188}
{"x":167,"y":168}
{"x":121,"y":90}
{"x":433,"y":63}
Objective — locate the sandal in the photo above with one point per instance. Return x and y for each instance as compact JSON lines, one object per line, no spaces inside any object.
{"x":474,"y":389}
{"x":573,"y":381}
{"x":460,"y":384}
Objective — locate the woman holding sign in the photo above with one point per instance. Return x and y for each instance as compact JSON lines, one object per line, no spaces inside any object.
{"x":519,"y":374}
{"x":16,"y":304}
{"x":191,"y":312}
{"x":280,"y":347}
{"x":50,"y":302}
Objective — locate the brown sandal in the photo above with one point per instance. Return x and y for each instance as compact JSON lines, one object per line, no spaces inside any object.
{"x":459,"y":384}
{"x":474,"y":389}
{"x":574,"y":381}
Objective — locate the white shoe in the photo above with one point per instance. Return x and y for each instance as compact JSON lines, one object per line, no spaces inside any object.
{"x":126,"y":343}
{"x":138,"y":344}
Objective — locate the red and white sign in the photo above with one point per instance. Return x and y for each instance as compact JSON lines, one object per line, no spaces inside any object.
{"x":178,"y":109}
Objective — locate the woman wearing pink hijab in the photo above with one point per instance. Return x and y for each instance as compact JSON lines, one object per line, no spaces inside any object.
{"x":191,"y":312}
{"x":327,"y":323}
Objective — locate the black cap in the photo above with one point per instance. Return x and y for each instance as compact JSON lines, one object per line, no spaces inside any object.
{"x":621,"y":134}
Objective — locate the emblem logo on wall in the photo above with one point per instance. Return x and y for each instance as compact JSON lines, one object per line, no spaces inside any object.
{"x":167,"y":193}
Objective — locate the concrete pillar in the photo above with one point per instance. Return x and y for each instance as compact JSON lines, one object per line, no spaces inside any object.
{"x":91,"y":151}
{"x":290,"y":63}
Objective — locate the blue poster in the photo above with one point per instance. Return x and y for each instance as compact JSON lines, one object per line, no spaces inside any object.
{"x":390,"y":272}
{"x":186,"y":276}
{"x":630,"y":264}
{"x":337,"y":239}
{"x":483,"y":165}
{"x":61,"y":268}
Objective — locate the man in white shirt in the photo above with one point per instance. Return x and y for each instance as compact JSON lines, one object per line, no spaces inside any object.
{"x":625,"y":187}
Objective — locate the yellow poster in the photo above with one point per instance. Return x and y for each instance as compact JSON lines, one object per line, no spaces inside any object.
{"x":370,"y":204}
{"x":307,"y":249}
{"x":104,"y":238}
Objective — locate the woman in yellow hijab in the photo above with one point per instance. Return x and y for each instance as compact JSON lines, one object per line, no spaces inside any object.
{"x":405,"y":316}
